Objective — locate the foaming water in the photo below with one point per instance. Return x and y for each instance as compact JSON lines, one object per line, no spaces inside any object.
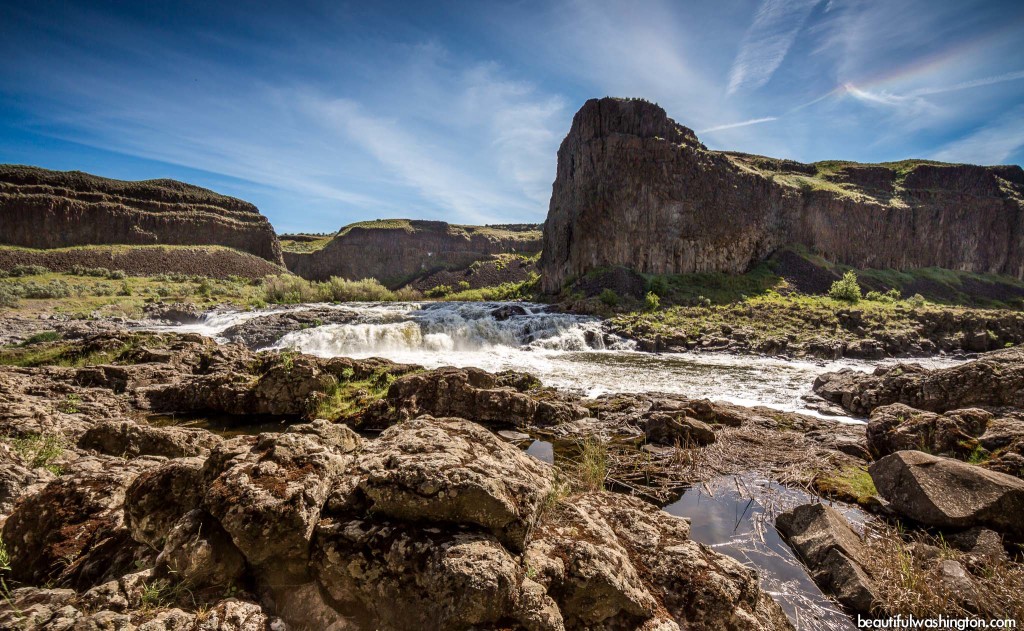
{"x":565,"y":351}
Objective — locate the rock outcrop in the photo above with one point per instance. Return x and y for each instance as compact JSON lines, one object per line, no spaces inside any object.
{"x":634,"y":188}
{"x":995,"y":379}
{"x":53,"y":209}
{"x":397,"y":251}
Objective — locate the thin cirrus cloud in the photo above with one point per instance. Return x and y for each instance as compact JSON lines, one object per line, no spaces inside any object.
{"x":766,"y":43}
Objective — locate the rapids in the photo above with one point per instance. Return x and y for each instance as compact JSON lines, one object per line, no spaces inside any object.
{"x":563,"y":350}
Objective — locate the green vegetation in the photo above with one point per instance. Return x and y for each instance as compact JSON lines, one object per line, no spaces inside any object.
{"x":39,"y":450}
{"x":609,"y":297}
{"x":849,"y":484}
{"x":304,"y":243}
{"x":589,"y":470}
{"x":846,"y":289}
{"x":288,"y":289}
{"x":651,"y":301}
{"x":63,"y":353}
{"x":345,"y":396}
{"x":505,"y":232}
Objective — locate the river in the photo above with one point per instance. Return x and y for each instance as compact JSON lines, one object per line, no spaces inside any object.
{"x":565,"y":351}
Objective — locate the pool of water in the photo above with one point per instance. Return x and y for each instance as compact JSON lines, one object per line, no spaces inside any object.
{"x":735,"y":515}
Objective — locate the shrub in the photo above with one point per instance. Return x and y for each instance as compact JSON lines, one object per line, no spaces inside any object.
{"x":366,"y":290}
{"x":52,"y":289}
{"x":44,"y":336}
{"x":658,"y":285}
{"x":439,"y":292}
{"x":846,"y":289}
{"x":462,"y":285}
{"x":917,"y":300}
{"x":27,"y":270}
{"x":651,"y":301}
{"x":9,"y":296}
{"x":288,"y":289}
{"x":609,"y":297}
{"x":890,"y":296}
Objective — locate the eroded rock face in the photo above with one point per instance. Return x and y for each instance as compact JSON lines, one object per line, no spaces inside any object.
{"x":832,"y":551}
{"x":53,"y":209}
{"x":634,"y":188}
{"x":948,"y":493}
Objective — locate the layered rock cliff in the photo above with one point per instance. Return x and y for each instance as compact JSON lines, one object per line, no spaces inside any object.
{"x":636,"y":189}
{"x":397,"y":251}
{"x":52,"y":209}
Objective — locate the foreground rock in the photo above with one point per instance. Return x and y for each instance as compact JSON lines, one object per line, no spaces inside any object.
{"x":994,"y":380}
{"x":948,"y":493}
{"x":832,"y":551}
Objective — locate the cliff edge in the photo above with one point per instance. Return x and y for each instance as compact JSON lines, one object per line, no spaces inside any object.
{"x":55,"y":209}
{"x":636,"y":189}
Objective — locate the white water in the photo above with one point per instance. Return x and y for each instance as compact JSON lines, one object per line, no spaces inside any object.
{"x":564,"y":351}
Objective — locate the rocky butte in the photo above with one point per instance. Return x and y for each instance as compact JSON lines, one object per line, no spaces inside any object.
{"x":636,"y":189}
{"x":395,"y":251}
{"x":55,"y":209}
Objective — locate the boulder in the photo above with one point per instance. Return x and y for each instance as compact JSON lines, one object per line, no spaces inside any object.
{"x":129,"y":439}
{"x":72,"y":531}
{"x":832,"y":552}
{"x":159,"y":497}
{"x":947,"y":493}
{"x":611,"y":560}
{"x":673,"y":429}
{"x":467,"y":393}
{"x":898,"y":427}
{"x":200,"y":552}
{"x":454,"y":471}
{"x":994,"y":380}
{"x":401,"y":576}
{"x":268,"y":498}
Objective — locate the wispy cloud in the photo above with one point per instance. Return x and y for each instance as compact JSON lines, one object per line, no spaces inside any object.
{"x":967,"y":85}
{"x":994,"y":143}
{"x":767,"y":41}
{"x":752,"y":121}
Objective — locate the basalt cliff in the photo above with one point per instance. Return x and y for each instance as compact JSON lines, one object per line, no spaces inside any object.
{"x":54,"y":209}
{"x":636,"y":189}
{"x":397,"y":251}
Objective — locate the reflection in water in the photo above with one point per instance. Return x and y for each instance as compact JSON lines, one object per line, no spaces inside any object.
{"x":542,"y":450}
{"x":736,"y":516}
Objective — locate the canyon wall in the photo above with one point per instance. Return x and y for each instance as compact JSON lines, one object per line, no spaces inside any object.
{"x":397,"y":251}
{"x":53,"y":209}
{"x":636,"y":189}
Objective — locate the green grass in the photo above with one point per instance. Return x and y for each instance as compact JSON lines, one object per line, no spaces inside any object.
{"x":851,"y":483}
{"x":344,"y":397}
{"x":59,"y":353}
{"x":304,"y":246}
{"x":514,"y":233}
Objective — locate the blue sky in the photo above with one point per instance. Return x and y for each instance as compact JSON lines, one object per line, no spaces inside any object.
{"x":323,"y":113}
